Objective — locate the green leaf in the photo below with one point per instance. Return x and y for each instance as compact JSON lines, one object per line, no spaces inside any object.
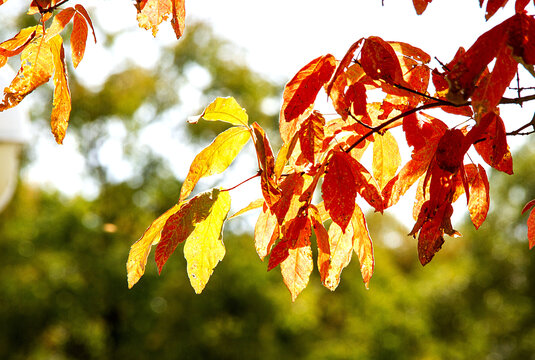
{"x":215,"y":158}
{"x":225,"y":109}
{"x":204,"y":247}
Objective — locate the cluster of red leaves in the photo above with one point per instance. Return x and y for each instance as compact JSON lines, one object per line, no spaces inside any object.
{"x":321,"y":152}
{"x":492,"y":6}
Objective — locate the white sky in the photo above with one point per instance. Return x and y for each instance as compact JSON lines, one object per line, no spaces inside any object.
{"x":279,"y":37}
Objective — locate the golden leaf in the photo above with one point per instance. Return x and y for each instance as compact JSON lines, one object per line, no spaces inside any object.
{"x":215,"y":158}
{"x":62,"y":96}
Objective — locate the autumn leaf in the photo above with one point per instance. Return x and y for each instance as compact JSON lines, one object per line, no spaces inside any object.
{"x":380,"y":62}
{"x":78,"y":39}
{"x":531,"y":222}
{"x":37,"y":66}
{"x":493,"y":148}
{"x":300,"y":93}
{"x":366,"y":185}
{"x":151,"y":13}
{"x":479,"y":202}
{"x":288,"y":204}
{"x":139,"y":251}
{"x":421,"y":5}
{"x":311,"y":136}
{"x":215,"y":158}
{"x":297,"y":266}
{"x":16,"y":44}
{"x":493,"y":6}
{"x":62,"y":97}
{"x":342,"y":244}
{"x":386,"y":158}
{"x":252,"y":205}
{"x":322,"y":239}
{"x":265,"y":232}
{"x":204,"y":248}
{"x":224,"y":109}
{"x":339,"y":189}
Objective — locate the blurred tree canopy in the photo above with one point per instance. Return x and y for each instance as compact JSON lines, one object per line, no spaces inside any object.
{"x":64,"y":293}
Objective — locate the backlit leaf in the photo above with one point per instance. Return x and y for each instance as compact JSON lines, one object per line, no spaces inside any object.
{"x":139,"y":251}
{"x":227,"y":110}
{"x":215,"y":158}
{"x":180,"y":225}
{"x":494,"y":149}
{"x":37,"y":67}
{"x":16,"y":44}
{"x":265,"y":232}
{"x":204,"y":248}
{"x":300,"y":93}
{"x":252,"y":205}
{"x":78,"y":39}
{"x":322,"y":239}
{"x":298,"y":265}
{"x":342,"y":244}
{"x":386,"y":158}
{"x":479,"y":202}
{"x":420,"y":5}
{"x":151,"y":13}
{"x":531,"y":222}
{"x":62,"y":97}
{"x":493,"y":6}
{"x":379,"y":61}
{"x":311,"y":136}
{"x":339,"y":189}
{"x":59,"y":22}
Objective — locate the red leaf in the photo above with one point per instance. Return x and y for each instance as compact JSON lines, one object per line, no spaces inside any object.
{"x":421,"y":5}
{"x":279,"y":253}
{"x":494,"y":149}
{"x":344,"y":63}
{"x":290,"y":192}
{"x":297,"y":235}
{"x":339,"y":189}
{"x":493,"y":6}
{"x":528,"y":206}
{"x":366,"y":185}
{"x":181,"y":224}
{"x":520,"y":5}
{"x":380,"y":62}
{"x":78,"y":39}
{"x":300,"y":93}
{"x":531,"y":222}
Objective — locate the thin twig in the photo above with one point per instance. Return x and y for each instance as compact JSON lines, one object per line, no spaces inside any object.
{"x":244,"y":181}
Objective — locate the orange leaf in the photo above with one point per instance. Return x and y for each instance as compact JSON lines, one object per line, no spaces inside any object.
{"x":366,"y":185}
{"x":78,"y":39}
{"x":37,"y":66}
{"x":16,"y":44}
{"x":300,"y":93}
{"x":531,"y":222}
{"x":311,"y":136}
{"x":81,"y":10}
{"x":421,"y":5}
{"x":62,"y":97}
{"x":339,"y":189}
{"x":178,"y":20}
{"x":479,"y":202}
{"x":59,"y":22}
{"x":289,"y":202}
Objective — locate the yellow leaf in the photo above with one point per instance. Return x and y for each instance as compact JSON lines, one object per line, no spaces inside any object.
{"x":386,"y":158}
{"x":139,"y":251}
{"x":253,"y":205}
{"x":342,"y":245}
{"x":226,"y":109}
{"x":62,"y":96}
{"x":204,"y":247}
{"x":296,"y":269}
{"x":215,"y":158}
{"x":36,"y":69}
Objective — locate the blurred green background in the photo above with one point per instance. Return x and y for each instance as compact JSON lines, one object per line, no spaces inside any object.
{"x":63,"y":292}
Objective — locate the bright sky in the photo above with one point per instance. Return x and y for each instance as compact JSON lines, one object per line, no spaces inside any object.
{"x":278,"y":36}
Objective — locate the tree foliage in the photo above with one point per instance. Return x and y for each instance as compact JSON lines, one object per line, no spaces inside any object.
{"x":378,"y":86}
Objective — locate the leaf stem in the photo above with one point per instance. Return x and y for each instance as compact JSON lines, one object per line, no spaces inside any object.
{"x":244,"y":181}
